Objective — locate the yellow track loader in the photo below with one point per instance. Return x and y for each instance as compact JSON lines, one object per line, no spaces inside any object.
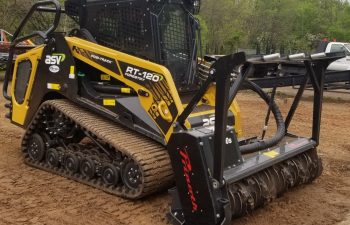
{"x":126,"y":104}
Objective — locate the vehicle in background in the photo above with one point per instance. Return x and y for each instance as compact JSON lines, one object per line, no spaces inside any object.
{"x":4,"y":47}
{"x":5,"y":42}
{"x":332,"y":47}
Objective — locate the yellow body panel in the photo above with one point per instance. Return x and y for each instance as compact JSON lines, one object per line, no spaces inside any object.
{"x":146,"y":102}
{"x":160,"y":109}
{"x":209,"y":98}
{"x":20,"y":110}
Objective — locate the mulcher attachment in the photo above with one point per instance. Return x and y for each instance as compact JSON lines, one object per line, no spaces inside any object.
{"x":216,"y":181}
{"x":200,"y":199}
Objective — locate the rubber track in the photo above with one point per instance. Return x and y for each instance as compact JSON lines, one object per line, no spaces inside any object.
{"x":152,"y":157}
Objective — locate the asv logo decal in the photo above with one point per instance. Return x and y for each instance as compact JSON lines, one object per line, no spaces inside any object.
{"x":141,"y":75}
{"x":55,"y":59}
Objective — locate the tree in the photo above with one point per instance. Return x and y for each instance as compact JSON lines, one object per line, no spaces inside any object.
{"x":227,"y":25}
{"x":274,"y":25}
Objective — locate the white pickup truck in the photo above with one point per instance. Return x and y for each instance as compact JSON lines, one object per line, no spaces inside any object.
{"x":330,"y":47}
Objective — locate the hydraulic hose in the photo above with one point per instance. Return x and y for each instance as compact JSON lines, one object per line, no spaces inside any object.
{"x":281,"y":128}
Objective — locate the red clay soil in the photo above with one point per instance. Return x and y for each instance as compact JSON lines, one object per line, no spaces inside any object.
{"x":31,"y":196}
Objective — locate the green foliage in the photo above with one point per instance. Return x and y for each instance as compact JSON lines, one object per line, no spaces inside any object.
{"x":285,"y":26}
{"x":12,"y":13}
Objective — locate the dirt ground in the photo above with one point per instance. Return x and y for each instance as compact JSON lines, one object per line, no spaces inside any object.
{"x":31,"y":196}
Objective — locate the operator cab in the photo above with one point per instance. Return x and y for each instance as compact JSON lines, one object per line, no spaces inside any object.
{"x":164,"y":32}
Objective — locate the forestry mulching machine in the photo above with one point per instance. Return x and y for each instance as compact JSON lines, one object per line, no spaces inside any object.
{"x":126,"y":105}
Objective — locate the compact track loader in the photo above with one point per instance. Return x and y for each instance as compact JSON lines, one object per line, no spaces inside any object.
{"x":125,"y":104}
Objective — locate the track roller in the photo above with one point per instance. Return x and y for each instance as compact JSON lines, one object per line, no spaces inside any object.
{"x":71,"y":162}
{"x":36,"y":148}
{"x":52,"y":158}
{"x":88,"y":167}
{"x":110,"y":174}
{"x":132,"y":175}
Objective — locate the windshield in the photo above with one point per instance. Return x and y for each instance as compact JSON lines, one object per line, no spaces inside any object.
{"x":347,"y":50}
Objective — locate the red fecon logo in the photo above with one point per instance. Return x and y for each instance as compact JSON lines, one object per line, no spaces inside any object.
{"x":187,"y":166}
